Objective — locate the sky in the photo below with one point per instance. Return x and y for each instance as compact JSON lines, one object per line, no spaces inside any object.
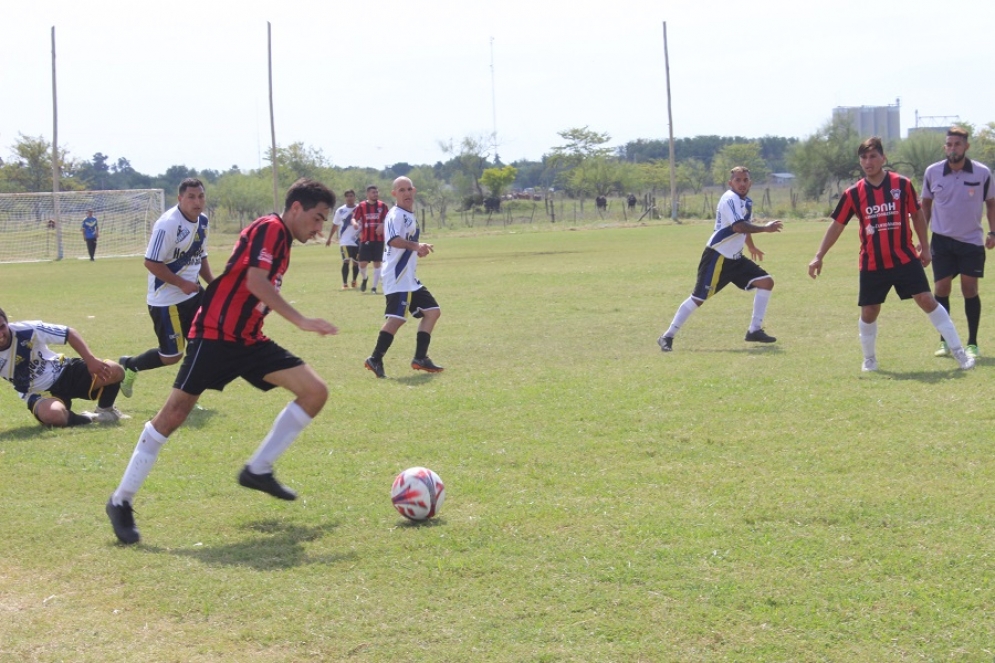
{"x":377,"y":83}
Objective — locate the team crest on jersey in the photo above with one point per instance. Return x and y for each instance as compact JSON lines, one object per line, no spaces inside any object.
{"x":896,"y":194}
{"x":265,"y":256}
{"x":181,"y":234}
{"x":869,"y":230}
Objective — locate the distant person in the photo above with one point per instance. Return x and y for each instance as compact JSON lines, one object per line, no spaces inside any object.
{"x":631,"y":200}
{"x":348,"y":231}
{"x":405,"y":293}
{"x":723,"y":261}
{"x":176,"y":259}
{"x":48,"y":382}
{"x":227,"y":342}
{"x":883,"y":201}
{"x":370,"y":216}
{"x":601,"y":202}
{"x":956,"y":193}
{"x":90,"y":233}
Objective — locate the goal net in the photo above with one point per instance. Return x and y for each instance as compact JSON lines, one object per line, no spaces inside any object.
{"x":29,"y":230}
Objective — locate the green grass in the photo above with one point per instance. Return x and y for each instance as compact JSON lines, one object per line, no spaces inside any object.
{"x":605,"y":502}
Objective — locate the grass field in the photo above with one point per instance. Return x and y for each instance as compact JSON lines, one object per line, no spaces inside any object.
{"x":605,"y":502}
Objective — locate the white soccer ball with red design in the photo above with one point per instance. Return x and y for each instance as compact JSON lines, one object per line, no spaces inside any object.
{"x":418,"y":493}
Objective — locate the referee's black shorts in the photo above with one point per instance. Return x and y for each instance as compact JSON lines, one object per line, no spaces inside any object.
{"x":952,"y":257}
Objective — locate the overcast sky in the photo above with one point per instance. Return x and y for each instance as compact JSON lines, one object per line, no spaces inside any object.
{"x":375,"y":83}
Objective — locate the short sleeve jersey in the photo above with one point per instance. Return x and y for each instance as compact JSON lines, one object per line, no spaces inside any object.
{"x":28,"y":363}
{"x":229,"y":312}
{"x":370,"y":216}
{"x":398,"y":269}
{"x":180,"y":244}
{"x":883,"y":211}
{"x":89,"y":228}
{"x":958,"y":199}
{"x":348,"y":235}
{"x":730,"y":210}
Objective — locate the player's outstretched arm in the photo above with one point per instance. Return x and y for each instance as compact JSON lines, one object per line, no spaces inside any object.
{"x":258,"y":283}
{"x":833,"y":233}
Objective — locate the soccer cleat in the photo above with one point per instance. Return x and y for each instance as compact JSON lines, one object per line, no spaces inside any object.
{"x":426,"y":365}
{"x":128,"y":383}
{"x":353,"y":284}
{"x":109,"y":415}
{"x":375,"y":365}
{"x":266,"y":483}
{"x":965,"y":360}
{"x":123,"y":521}
{"x":944,"y":350}
{"x":972,"y":351}
{"x":870,"y":364}
{"x":373,"y":290}
{"x":666,"y":343}
{"x":345,"y":286}
{"x":759,"y":336}
{"x":362,"y":286}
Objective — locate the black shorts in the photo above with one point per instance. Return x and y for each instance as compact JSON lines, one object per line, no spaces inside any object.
{"x":952,"y":257}
{"x":172,"y":324}
{"x":399,"y":303}
{"x":213,"y":364}
{"x":715,"y":272}
{"x":349,"y":252}
{"x":371,"y":252}
{"x":908,"y":280}
{"x":75,"y":381}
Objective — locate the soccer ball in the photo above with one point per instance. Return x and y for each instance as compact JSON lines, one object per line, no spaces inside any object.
{"x":418,"y":493}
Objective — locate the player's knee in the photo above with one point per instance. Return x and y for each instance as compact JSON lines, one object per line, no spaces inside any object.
{"x":51,"y":412}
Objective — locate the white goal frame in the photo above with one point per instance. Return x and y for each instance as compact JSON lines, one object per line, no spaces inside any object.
{"x":30,"y":232}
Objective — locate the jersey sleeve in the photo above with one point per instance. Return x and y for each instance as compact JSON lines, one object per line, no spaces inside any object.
{"x":844,"y":209}
{"x":50,"y":334}
{"x":910,"y":190}
{"x":357,"y":214}
{"x":262,"y":245}
{"x":161,"y":245}
{"x":393,"y":227}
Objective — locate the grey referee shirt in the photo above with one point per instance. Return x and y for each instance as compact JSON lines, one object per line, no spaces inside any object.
{"x":958,"y":199}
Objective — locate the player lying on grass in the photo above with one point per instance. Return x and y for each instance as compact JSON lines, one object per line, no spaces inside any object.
{"x":27,"y":363}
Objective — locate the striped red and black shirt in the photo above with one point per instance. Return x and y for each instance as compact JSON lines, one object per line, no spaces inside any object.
{"x":885,"y":233}
{"x":229,"y":312}
{"x":370,"y":217}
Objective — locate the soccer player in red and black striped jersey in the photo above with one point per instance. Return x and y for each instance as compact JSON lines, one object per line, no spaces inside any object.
{"x":226,"y":342}
{"x":370,"y":215}
{"x":883,"y":201}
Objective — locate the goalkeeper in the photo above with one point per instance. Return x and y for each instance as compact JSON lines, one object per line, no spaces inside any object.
{"x":33,"y":368}
{"x":176,"y":259}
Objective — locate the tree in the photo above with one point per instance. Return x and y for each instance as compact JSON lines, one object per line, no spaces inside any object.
{"x":740,"y":154}
{"x":691,"y":175}
{"x":600,"y":175}
{"x":917,"y":152}
{"x":983,"y":145}
{"x":498,"y":179}
{"x":582,"y":143}
{"x":829,"y":155}
{"x":30,"y":167}
{"x":433,"y":193}
{"x":469,"y":159}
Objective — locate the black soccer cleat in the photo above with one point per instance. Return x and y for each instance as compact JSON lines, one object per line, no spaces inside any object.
{"x":666,"y":343}
{"x":123,"y":521}
{"x":426,"y":365}
{"x":362,"y":287}
{"x":266,"y":483}
{"x":759,"y":336}
{"x":375,"y":365}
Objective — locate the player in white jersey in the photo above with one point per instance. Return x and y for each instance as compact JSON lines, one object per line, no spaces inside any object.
{"x":348,"y":231}
{"x":27,"y":363}
{"x":723,"y":262}
{"x":405,"y":293}
{"x":176,"y":259}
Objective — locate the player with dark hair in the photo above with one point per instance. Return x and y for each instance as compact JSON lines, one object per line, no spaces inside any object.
{"x":27,"y":363}
{"x":227,"y":342}
{"x":722,"y":261}
{"x":370,"y":216}
{"x":348,"y":231}
{"x":176,"y":259}
{"x":405,"y":293}
{"x":956,"y":193}
{"x":883,"y":201}
{"x":91,"y":233}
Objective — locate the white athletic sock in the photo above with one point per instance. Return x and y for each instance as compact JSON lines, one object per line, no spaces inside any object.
{"x":146,"y":453}
{"x":941,"y":320}
{"x":760,"y":301}
{"x":684,"y":312}
{"x":868,"y":337}
{"x":287,"y":426}
{"x":376,"y":276}
{"x":362,"y":272}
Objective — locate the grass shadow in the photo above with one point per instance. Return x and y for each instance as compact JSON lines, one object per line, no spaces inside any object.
{"x":416,"y":379}
{"x":199,"y":417}
{"x":405,"y":523}
{"x":271,"y":545}
{"x":925,"y":377}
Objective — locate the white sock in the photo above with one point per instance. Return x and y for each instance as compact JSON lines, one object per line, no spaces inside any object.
{"x":287,"y":426}
{"x":362,"y":272}
{"x":684,"y":312}
{"x":376,"y":276}
{"x":941,"y":320}
{"x":141,"y":463}
{"x":760,"y":300}
{"x":868,"y":337}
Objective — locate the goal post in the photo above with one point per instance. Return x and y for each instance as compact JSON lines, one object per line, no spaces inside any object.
{"x":28,"y":231}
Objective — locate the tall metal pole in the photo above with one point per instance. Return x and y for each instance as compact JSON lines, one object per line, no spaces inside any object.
{"x":494,"y":108}
{"x":670,"y":126}
{"x":272,"y":121}
{"x":55,"y":158}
